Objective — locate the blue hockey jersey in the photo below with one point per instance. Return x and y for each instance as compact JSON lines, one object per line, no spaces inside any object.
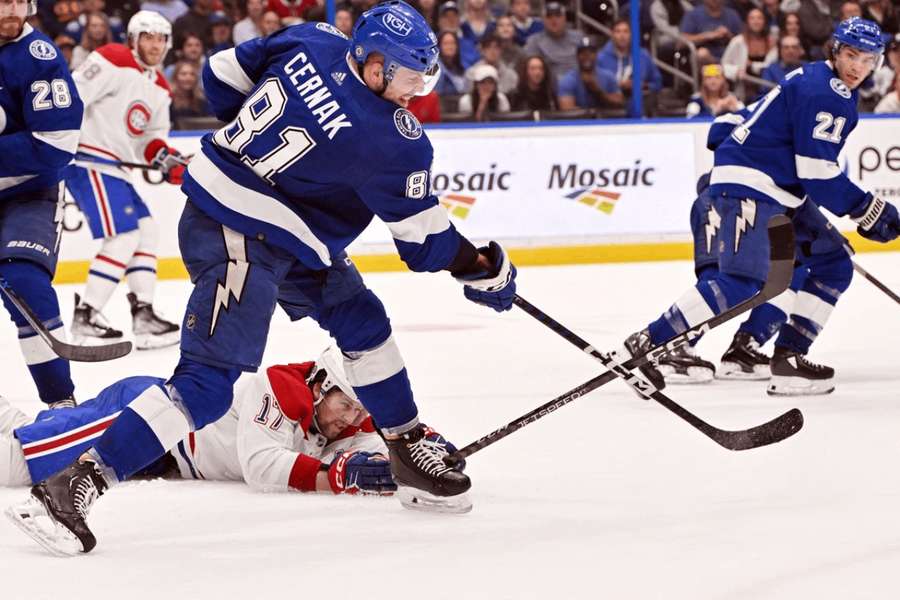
{"x":311,"y":154}
{"x":788,"y":146}
{"x":40,"y":114}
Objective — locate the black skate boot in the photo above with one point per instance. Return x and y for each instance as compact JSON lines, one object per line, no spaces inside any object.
{"x":151,"y":330}
{"x":682,"y":365}
{"x":793,"y":375}
{"x":90,"y":327}
{"x":637,"y":344}
{"x":424,"y":480}
{"x":743,"y":360}
{"x":65,"y":499}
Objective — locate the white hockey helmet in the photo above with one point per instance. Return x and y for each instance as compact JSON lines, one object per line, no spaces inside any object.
{"x":329,"y":370}
{"x":148,"y":21}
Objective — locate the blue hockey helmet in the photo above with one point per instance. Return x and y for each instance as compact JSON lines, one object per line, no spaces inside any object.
{"x":398,"y":32}
{"x":861,"y":34}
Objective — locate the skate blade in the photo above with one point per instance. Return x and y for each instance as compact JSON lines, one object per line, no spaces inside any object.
{"x":60,"y":542}
{"x":798,"y":386}
{"x":734,"y":372}
{"x":693,"y":375}
{"x":416,"y":499}
{"x":148,"y":341}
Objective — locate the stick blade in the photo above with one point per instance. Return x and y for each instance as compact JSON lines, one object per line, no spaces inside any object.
{"x":778,"y":429}
{"x":90,"y":353}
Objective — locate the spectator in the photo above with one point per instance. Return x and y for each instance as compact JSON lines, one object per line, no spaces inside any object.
{"x":270,"y":22}
{"x":249,"y":28}
{"x":428,"y":9}
{"x":790,"y":56}
{"x":883,"y":78}
{"x":510,"y":52}
{"x":774,"y":16}
{"x":815,"y":15}
{"x":556,"y":43}
{"x":850,"y":9}
{"x":710,"y":26}
{"x":713,"y":99}
{"x":64,"y":12}
{"x":191,"y":51}
{"x":293,"y":11}
{"x":453,"y":75}
{"x":615,"y":58}
{"x":478,"y":21}
{"x":666,"y":16}
{"x":484,"y":99}
{"x":427,"y":109}
{"x":536,"y":89}
{"x":448,"y":20}
{"x":490,"y":55}
{"x":220,"y":31}
{"x":891,"y":102}
{"x":526,"y":25}
{"x":343,"y":19}
{"x":750,"y":52}
{"x":75,"y":27}
{"x":882,"y":12}
{"x":96,"y":34}
{"x":588,"y":86}
{"x":170,"y":9}
{"x":66,"y":45}
{"x":187,"y":98}
{"x":196,"y":21}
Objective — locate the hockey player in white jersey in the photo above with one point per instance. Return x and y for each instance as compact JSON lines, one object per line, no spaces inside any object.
{"x":126,"y":119}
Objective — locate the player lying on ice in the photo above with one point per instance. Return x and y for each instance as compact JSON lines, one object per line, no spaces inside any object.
{"x":319,"y":142}
{"x":291,"y":427}
{"x":784,"y":152}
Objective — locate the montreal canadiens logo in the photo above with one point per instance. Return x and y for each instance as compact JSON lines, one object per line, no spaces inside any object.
{"x":407,"y":124}
{"x":840,"y":88}
{"x":137,"y":117}
{"x":42,"y":50}
{"x":399,"y":26}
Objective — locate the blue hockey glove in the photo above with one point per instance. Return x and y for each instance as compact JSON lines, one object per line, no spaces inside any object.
{"x":361,"y":472}
{"x":877,"y":220}
{"x":495,"y":288}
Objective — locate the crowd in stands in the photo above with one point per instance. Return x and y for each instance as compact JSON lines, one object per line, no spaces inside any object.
{"x":525,"y":59}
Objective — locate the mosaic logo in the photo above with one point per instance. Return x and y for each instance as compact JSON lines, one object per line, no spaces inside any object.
{"x":456,"y":205}
{"x":602,"y":200}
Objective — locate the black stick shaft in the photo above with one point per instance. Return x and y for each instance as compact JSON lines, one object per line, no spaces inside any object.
{"x":876,"y":283}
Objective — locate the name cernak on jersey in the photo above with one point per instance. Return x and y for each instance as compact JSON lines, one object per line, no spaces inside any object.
{"x":312,"y":89}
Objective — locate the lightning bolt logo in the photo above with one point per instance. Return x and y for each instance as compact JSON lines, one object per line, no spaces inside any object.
{"x":747,"y":217}
{"x":235,"y":275}
{"x":713,"y":222}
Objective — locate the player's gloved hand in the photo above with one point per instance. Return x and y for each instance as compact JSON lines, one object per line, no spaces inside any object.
{"x":352,"y":472}
{"x":494,"y":287}
{"x":877,"y":220}
{"x":168,"y":160}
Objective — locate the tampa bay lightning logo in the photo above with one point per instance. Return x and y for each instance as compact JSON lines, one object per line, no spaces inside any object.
{"x":840,"y":88}
{"x":407,"y":124}
{"x":399,"y":26}
{"x":42,"y":50}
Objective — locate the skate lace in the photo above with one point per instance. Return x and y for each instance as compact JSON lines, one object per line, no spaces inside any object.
{"x":752,"y":348}
{"x":84,"y":496}
{"x":801,"y":360}
{"x":429,"y":455}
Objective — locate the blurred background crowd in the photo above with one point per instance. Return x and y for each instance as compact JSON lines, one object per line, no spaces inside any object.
{"x":528,"y":59}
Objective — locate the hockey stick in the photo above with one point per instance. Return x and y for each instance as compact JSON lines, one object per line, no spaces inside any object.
{"x":781,"y":269}
{"x":114,"y":163}
{"x":875,"y":282}
{"x":62,"y":349}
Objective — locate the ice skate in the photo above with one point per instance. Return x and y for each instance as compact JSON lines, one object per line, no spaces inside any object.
{"x":55,"y":514}
{"x":637,"y":344}
{"x":793,"y":375}
{"x":424,"y":480}
{"x":64,"y":403}
{"x":743,"y":360}
{"x":682,"y":365}
{"x":90,"y":327}
{"x":151,"y":330}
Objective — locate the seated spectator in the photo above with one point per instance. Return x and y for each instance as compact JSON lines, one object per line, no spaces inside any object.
{"x":75,"y":27}
{"x":249,"y":28}
{"x":448,"y":20}
{"x":883,"y":78}
{"x":477,"y":21}
{"x":850,"y":9}
{"x":343,"y":19}
{"x":490,"y":53}
{"x":615,"y":58}
{"x":191,"y":51}
{"x":713,"y":99}
{"x":187,"y":98}
{"x":220,"y":31}
{"x":453,"y":79}
{"x":292,"y":12}
{"x":882,"y":12}
{"x":96,"y":34}
{"x":510,"y":51}
{"x":790,"y":56}
{"x":587,"y":85}
{"x":891,"y":102}
{"x":749,"y":53}
{"x":195,"y":21}
{"x":170,"y":9}
{"x":62,"y":13}
{"x":66,"y":45}
{"x":426,"y":108}
{"x":815,"y":15}
{"x":556,"y":43}
{"x":270,"y":22}
{"x":772,"y":10}
{"x":427,"y":8}
{"x":710,"y":26}
{"x":536,"y":89}
{"x":666,"y":16}
{"x":484,"y":99}
{"x":525,"y":24}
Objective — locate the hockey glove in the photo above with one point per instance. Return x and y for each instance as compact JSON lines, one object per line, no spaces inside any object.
{"x":877,"y":220}
{"x":364,"y":472}
{"x":168,"y":160}
{"x":495,"y":288}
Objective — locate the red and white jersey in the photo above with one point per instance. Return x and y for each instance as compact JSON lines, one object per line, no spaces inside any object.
{"x":125,"y":107}
{"x":265,"y":437}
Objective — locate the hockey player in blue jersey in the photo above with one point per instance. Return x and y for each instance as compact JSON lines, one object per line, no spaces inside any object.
{"x":319,"y":141}
{"x":786,"y":149}
{"x":40,"y":117}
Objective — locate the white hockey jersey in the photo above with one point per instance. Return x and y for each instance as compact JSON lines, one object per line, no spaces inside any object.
{"x":265,"y":437}
{"x":126,"y":107}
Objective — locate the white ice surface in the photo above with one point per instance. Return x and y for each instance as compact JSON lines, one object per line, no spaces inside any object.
{"x":610,"y":497}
